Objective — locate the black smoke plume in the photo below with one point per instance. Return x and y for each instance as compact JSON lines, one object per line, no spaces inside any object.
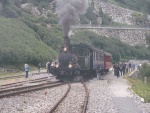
{"x":69,"y":11}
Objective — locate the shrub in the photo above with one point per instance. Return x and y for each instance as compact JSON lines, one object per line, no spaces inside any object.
{"x":145,"y":70}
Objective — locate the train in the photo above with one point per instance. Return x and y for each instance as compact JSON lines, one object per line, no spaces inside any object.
{"x":78,"y":61}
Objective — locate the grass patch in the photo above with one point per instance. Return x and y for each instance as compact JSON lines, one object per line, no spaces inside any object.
{"x":20,"y":69}
{"x":140,"y":88}
{"x":8,"y":74}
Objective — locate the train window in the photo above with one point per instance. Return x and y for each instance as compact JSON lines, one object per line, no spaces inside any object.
{"x":101,"y":56}
{"x":96,"y":56}
{"x":84,"y":52}
{"x":81,"y":52}
{"x":89,"y":53}
{"x":93,"y":55}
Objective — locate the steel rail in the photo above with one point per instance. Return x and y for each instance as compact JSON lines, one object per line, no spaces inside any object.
{"x":23,"y":81}
{"x":21,"y":84}
{"x":64,"y":96}
{"x":12,"y":92}
{"x":86,"y":98}
{"x":23,"y":87}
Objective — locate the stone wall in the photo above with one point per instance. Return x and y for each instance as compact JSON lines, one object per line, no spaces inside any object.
{"x":118,"y":14}
{"x":123,"y":16}
{"x":131,"y":37}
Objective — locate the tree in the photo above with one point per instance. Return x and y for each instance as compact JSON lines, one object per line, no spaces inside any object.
{"x":9,"y":12}
{"x":17,"y":3}
{"x":5,"y":2}
{"x":23,"y":1}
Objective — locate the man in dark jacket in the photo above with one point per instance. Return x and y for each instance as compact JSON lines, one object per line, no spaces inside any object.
{"x":117,"y":70}
{"x":49,"y":67}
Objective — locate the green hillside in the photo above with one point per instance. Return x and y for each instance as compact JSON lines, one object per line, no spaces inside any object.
{"x":25,"y":38}
{"x":18,"y":44}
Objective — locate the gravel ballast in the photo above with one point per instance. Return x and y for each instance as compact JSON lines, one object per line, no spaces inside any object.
{"x":110,"y":95}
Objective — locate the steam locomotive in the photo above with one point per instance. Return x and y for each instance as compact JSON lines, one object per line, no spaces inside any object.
{"x":77,"y":61}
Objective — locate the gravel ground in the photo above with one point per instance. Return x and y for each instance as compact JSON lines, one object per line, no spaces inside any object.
{"x":110,"y":95}
{"x":35,"y":102}
{"x":100,"y":100}
{"x":114,"y":95}
{"x":124,"y":99}
{"x":74,"y":100}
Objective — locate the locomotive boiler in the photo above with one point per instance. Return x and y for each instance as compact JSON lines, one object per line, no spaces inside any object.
{"x":81,"y":60}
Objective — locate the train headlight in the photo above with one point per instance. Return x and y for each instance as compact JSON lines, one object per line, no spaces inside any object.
{"x":70,"y":66}
{"x":57,"y":65}
{"x":52,"y":65}
{"x":65,"y":48}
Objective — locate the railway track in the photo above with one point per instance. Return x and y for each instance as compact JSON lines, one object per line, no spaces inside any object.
{"x":83,"y":107}
{"x":25,"y":89}
{"x":17,"y":84}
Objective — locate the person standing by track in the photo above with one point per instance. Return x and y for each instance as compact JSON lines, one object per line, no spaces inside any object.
{"x":26,"y":67}
{"x":49,"y":67}
{"x":117,"y":70}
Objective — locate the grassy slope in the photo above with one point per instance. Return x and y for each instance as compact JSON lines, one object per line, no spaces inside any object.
{"x":19,"y":43}
{"x":140,"y":88}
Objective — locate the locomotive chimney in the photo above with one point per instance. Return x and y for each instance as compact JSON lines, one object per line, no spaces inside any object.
{"x":66,"y":41}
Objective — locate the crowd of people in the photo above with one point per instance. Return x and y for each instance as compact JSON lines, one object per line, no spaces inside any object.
{"x":123,"y":68}
{"x":120,"y":69}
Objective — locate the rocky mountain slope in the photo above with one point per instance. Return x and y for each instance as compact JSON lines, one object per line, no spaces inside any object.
{"x":125,"y":17}
{"x":117,"y":15}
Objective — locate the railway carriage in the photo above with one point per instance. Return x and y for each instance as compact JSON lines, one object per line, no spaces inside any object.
{"x":81,"y":60}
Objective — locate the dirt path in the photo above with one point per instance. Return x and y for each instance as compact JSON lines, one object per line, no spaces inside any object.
{"x":123,"y":97}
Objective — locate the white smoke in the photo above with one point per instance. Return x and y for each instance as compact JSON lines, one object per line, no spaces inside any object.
{"x":69,"y":11}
